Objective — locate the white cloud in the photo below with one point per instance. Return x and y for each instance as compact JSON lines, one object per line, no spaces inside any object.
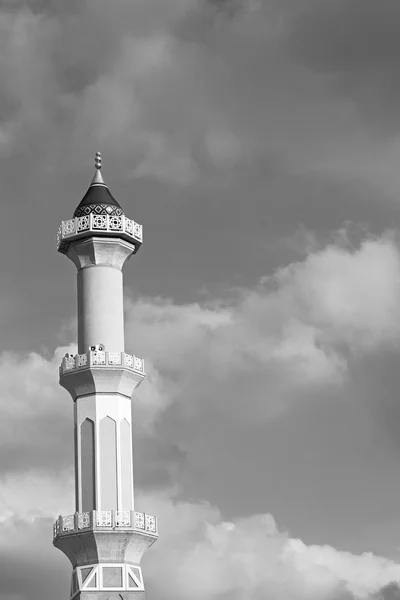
{"x":352,"y":295}
{"x":36,"y":414}
{"x":292,"y":334}
{"x":200,"y":555}
{"x":295,"y":332}
{"x":291,"y":337}
{"x":49,"y":494}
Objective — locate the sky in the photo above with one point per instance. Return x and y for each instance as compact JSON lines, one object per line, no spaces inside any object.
{"x":258,"y":142}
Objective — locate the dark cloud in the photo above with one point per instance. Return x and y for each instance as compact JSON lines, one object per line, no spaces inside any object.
{"x":228,"y":8}
{"x":391,"y":591}
{"x":358,"y":45}
{"x":339,"y":36}
{"x":378,"y":379}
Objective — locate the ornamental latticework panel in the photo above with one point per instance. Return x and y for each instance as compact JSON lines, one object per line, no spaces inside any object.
{"x":82,"y":224}
{"x":150,"y":523}
{"x":123,"y":518}
{"x":114,"y":358}
{"x":115,"y":223}
{"x":68,"y":227}
{"x":98,"y":358}
{"x":83,"y":520}
{"x":139,"y":520}
{"x":129,"y":360}
{"x":99,"y":222}
{"x":56,"y":528}
{"x":81,"y":360}
{"x":138,"y":363}
{"x":69,"y":362}
{"x":103,"y":518}
{"x":68,"y":523}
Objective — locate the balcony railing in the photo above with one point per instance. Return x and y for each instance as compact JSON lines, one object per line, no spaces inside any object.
{"x":105,"y":520}
{"x":81,"y":226}
{"x":98,"y":358}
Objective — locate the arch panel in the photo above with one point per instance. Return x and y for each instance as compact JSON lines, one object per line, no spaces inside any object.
{"x":108,"y":464}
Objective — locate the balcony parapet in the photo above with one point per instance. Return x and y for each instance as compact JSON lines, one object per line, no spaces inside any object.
{"x":105,"y":520}
{"x":109,"y":225}
{"x":99,"y":359}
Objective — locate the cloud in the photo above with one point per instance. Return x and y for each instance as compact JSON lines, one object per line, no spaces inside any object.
{"x":161,"y":84}
{"x":290,"y":339}
{"x":185,"y":91}
{"x":297,"y":331}
{"x":36,"y":419}
{"x":355,"y":47}
{"x":200,"y":554}
{"x":391,"y":591}
{"x":351,"y":293}
{"x":236,"y":362}
{"x":126,"y":59}
{"x":334,"y":30}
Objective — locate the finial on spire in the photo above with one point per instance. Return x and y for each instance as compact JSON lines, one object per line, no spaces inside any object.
{"x":97,"y":179}
{"x":97,"y":160}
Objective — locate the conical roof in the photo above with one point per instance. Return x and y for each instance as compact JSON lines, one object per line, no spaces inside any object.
{"x":98,"y":199}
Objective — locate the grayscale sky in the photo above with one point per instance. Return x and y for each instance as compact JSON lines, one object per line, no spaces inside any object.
{"x":258,"y":141}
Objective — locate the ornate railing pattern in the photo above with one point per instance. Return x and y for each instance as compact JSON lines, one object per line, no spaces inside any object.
{"x":99,"y":224}
{"x":98,"y":358}
{"x":108,"y":519}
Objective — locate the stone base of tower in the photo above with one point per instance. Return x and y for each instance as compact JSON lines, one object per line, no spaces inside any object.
{"x":105,"y":558}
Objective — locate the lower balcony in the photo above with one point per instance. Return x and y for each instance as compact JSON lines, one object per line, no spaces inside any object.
{"x":105,"y":520}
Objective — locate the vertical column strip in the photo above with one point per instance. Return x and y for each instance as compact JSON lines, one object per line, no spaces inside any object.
{"x":88,"y":465}
{"x":108,"y":464}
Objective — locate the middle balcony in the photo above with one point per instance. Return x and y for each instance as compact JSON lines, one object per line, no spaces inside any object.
{"x":98,"y":371}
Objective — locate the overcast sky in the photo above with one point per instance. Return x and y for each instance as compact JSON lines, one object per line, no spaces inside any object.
{"x":258,"y":141}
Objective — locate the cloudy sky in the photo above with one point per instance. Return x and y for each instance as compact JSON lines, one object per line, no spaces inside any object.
{"x":258,"y":141}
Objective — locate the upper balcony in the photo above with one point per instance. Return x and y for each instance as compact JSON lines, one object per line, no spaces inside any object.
{"x":105,"y":225}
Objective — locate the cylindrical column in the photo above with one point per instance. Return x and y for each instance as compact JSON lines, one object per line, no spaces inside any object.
{"x":100,"y":308}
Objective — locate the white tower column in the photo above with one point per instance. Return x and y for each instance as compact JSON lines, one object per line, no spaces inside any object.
{"x":100,"y":297}
{"x":105,"y":538}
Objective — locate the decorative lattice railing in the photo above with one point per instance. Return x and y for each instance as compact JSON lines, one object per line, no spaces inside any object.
{"x":100,"y":358}
{"x":81,"y":226}
{"x":105,"y":519}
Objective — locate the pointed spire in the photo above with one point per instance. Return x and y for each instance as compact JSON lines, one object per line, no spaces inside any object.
{"x":98,"y":199}
{"x":97,"y":179}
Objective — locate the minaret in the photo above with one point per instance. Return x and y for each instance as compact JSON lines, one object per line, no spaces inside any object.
{"x":105,"y":538}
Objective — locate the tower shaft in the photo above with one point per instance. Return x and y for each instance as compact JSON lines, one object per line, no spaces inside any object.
{"x":99,"y":301}
{"x":105,"y":538}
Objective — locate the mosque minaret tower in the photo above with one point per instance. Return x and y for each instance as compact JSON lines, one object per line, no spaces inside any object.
{"x":105,"y":538}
